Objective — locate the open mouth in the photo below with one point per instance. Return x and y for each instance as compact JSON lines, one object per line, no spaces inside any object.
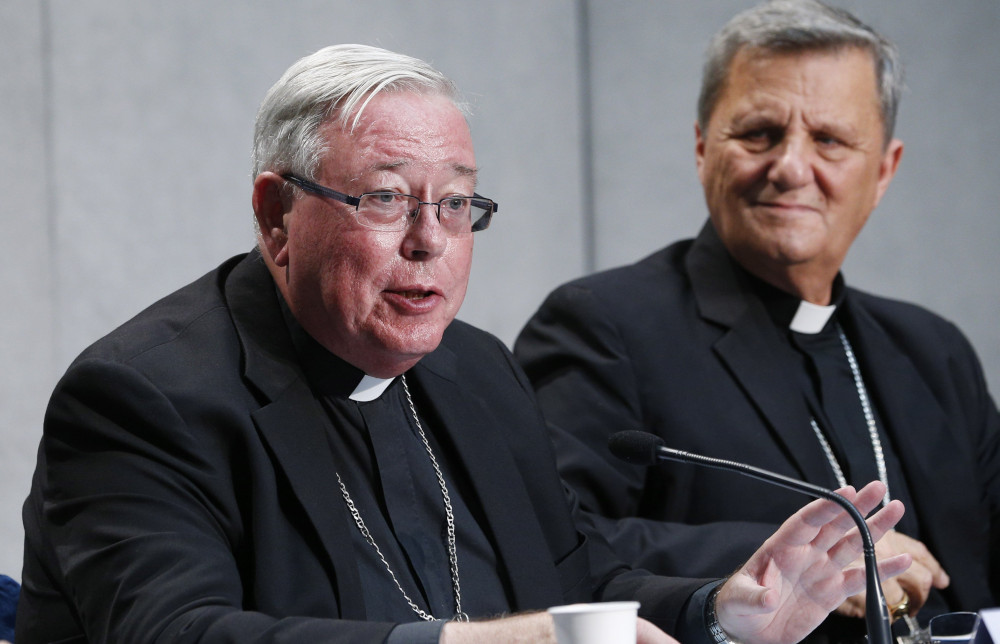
{"x":415,"y":295}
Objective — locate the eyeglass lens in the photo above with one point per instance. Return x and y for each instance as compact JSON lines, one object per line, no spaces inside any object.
{"x":392,"y":211}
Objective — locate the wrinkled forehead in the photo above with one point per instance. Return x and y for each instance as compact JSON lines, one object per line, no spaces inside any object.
{"x":753,"y":60}
{"x":403,"y":133}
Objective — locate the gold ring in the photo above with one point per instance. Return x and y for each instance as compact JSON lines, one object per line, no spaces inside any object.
{"x":900,"y":608}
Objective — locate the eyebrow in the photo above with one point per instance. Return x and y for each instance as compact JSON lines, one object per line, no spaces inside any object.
{"x":460,"y":169}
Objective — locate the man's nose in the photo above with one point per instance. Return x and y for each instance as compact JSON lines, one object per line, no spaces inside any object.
{"x":425,"y":237}
{"x":793,"y":164}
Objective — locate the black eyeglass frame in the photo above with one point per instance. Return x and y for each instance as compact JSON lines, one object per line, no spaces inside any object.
{"x":477,"y":200}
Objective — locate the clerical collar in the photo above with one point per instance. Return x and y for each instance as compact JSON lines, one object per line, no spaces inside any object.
{"x":810,"y":318}
{"x":790,"y":312}
{"x":370,"y":388}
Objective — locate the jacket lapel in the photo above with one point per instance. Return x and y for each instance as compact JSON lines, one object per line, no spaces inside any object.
{"x":752,"y":351}
{"x":934,"y":463}
{"x":291,"y":421}
{"x":499,"y":488}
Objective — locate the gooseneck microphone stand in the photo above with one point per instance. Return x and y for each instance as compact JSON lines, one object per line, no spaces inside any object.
{"x":643,"y":448}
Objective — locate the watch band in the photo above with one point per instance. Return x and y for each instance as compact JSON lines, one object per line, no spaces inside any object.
{"x":715,"y":629}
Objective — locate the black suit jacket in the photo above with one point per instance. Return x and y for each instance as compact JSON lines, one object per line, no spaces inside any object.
{"x":185,"y":488}
{"x":676,"y":346}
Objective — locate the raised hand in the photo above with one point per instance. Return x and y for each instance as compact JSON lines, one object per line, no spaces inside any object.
{"x":804,"y":570}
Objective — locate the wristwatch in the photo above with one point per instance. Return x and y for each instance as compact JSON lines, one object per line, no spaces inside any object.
{"x":719,"y":636}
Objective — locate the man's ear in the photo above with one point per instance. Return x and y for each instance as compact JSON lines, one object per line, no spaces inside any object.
{"x":699,"y":151}
{"x":272,"y":201}
{"x":887,"y":168}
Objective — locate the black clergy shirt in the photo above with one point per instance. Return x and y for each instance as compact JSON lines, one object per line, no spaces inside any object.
{"x":827,"y":383}
{"x":389,"y":476}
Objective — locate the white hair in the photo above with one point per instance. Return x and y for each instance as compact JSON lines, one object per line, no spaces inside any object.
{"x":334,"y":83}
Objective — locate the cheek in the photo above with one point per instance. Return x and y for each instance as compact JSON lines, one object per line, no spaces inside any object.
{"x":354,"y":273}
{"x":851,"y":198}
{"x":742,"y":174}
{"x":460,"y":264}
{"x":727,"y":176}
{"x":858,"y":188}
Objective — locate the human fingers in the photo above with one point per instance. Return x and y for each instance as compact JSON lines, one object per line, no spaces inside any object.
{"x":854,"y":578}
{"x":825,"y":522}
{"x":742,"y":594}
{"x":928,"y":564}
{"x":924,"y":574}
{"x":647,"y":633}
{"x":838,"y":523}
{"x":854,"y":606}
{"x":811,"y":524}
{"x":916,"y":582}
{"x":893,"y":566}
{"x":851,"y":545}
{"x":526,"y":627}
{"x":885,"y":519}
{"x":869,"y":497}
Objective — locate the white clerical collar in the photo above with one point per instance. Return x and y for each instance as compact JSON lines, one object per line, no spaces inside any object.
{"x":370,"y":388}
{"x":811,"y":318}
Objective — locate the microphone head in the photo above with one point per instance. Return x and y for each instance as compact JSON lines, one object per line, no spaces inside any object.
{"x":636,"y":447}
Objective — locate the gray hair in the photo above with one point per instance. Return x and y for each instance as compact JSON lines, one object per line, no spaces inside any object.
{"x":783,"y":26}
{"x":333,"y":83}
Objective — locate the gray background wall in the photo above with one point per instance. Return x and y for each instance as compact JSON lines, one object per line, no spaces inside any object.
{"x":126,"y":128}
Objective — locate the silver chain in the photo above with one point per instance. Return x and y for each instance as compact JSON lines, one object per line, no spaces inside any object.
{"x":449,"y":517}
{"x":869,"y":420}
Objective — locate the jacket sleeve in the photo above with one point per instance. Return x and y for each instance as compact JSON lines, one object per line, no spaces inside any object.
{"x":582,"y":369}
{"x":135,"y":519}
{"x":984,"y":437}
{"x":674,"y":604}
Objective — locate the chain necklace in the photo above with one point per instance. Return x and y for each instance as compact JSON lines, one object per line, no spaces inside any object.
{"x":449,"y":517}
{"x":869,"y":420}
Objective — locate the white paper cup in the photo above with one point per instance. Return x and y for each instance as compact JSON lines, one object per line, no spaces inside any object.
{"x":600,"y":623}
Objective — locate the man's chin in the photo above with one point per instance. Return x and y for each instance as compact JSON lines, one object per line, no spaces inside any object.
{"x":396,"y":352}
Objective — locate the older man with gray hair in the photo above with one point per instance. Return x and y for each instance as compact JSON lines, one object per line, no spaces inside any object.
{"x":746,"y":344}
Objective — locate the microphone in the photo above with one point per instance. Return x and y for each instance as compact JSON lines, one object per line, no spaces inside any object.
{"x":643,"y":448}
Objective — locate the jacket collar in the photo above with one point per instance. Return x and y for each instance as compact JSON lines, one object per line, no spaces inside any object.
{"x":753,"y":351}
{"x":270,"y":360}
{"x":291,"y":421}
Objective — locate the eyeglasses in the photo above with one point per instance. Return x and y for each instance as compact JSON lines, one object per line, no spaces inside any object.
{"x":389,"y":211}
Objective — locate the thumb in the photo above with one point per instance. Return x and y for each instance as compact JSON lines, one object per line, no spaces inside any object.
{"x":740,"y":595}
